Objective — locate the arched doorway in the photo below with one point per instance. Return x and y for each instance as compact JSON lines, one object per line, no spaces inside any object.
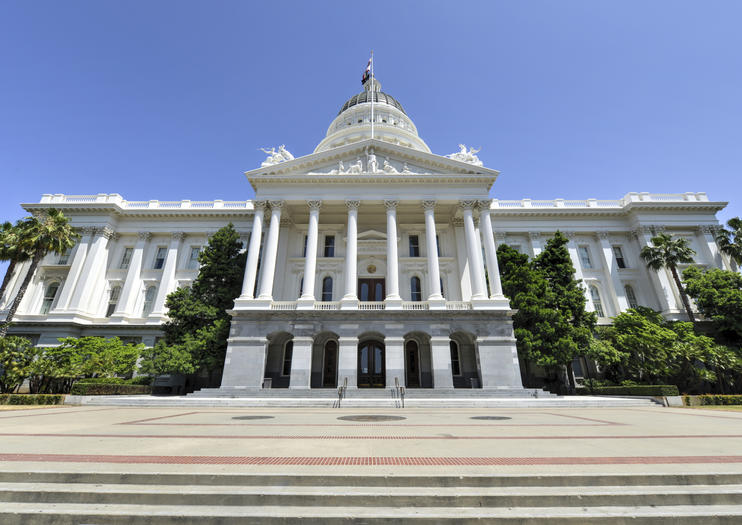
{"x":371,"y":366}
{"x":412,"y":364}
{"x":330,"y":364}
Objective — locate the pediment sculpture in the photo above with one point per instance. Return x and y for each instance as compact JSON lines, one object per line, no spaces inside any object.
{"x":276,"y":157}
{"x":469,"y":156}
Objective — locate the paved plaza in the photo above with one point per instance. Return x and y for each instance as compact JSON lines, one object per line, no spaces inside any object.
{"x":356,"y":441}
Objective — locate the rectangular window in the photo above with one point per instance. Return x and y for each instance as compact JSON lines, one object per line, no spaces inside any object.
{"x":455,"y":358}
{"x":126,"y":258}
{"x":160,"y":258}
{"x":64,"y":257}
{"x":304,"y":250}
{"x":438,"y":245}
{"x":584,"y":253}
{"x":288,"y":351}
{"x":618,"y":253}
{"x":414,"y":246}
{"x":329,"y":246}
{"x":193,"y":258}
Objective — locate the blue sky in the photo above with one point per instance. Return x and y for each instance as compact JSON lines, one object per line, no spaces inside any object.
{"x":172,"y":99}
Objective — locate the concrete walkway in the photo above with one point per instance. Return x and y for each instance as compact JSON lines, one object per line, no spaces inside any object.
{"x":311,"y":441}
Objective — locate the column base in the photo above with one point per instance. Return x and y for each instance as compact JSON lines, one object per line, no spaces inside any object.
{"x":436,"y":303}
{"x":393,"y":303}
{"x":305,"y":303}
{"x":491,"y":303}
{"x":349,"y":303}
{"x":252,"y":304}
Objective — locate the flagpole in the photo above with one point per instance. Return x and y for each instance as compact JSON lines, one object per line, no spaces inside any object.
{"x":372,"y":94}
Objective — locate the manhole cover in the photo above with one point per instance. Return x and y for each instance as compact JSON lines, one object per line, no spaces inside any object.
{"x":371,"y":418}
{"x":253,"y":417}
{"x":491,"y":418}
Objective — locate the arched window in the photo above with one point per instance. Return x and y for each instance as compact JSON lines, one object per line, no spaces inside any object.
{"x":113,"y":300}
{"x":288,"y":352}
{"x":455,"y":358}
{"x":631,"y":296}
{"x":49,"y":296}
{"x":416,"y":293}
{"x":597,"y":303}
{"x":149,"y":300}
{"x":327,"y":289}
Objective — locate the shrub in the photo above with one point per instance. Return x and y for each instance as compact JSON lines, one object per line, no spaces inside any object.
{"x":140,"y":380}
{"x":633,"y":390}
{"x":103,"y":389}
{"x":31,"y":399}
{"x":712,"y":400}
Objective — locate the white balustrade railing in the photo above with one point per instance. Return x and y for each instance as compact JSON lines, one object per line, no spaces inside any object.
{"x":327,"y":305}
{"x":283,"y":305}
{"x":458,"y":305}
{"x":414,"y":305}
{"x":371,"y":305}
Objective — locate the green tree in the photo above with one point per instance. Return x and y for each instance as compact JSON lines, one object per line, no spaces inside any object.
{"x":50,"y":231}
{"x":16,"y":355}
{"x":164,"y":359}
{"x":102,"y":357}
{"x":668,"y":252}
{"x":551,"y":325}
{"x":718,"y":295}
{"x":730,"y":241}
{"x":198,"y":318}
{"x":10,"y":250}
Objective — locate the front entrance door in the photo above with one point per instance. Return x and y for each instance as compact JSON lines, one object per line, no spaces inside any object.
{"x":412,"y":365}
{"x":371,"y":289}
{"x":330,"y":365}
{"x":371,"y":370}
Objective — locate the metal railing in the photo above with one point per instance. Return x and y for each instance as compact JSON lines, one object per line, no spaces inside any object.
{"x":341,"y":393}
{"x":398,"y":394}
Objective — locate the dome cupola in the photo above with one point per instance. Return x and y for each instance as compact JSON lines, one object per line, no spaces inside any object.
{"x":390,"y":122}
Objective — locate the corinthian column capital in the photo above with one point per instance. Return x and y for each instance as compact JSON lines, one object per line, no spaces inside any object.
{"x":314,"y":205}
{"x":353,"y":204}
{"x":391,"y":204}
{"x":428,"y":205}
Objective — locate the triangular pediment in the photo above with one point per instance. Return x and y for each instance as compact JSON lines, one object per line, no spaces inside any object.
{"x":370,"y":157}
{"x":372,"y":235}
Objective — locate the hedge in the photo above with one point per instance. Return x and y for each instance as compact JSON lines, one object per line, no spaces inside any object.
{"x":103,"y":389}
{"x":632,"y":390}
{"x":139,"y":380}
{"x":711,"y":399}
{"x":31,"y":399}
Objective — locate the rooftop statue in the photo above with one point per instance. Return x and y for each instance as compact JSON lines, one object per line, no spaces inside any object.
{"x":466,"y":156}
{"x":276,"y":157}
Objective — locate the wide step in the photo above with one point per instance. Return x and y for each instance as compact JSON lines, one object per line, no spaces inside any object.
{"x":44,"y":498}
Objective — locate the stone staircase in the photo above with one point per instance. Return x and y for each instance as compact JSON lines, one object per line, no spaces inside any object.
{"x":44,"y":498}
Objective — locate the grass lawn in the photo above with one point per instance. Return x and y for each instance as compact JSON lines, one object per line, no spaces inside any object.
{"x":733,"y":408}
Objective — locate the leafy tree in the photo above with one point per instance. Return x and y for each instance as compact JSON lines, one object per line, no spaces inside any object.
{"x":718,"y":295}
{"x":11,"y":250}
{"x":551,"y":325}
{"x":730,"y":241}
{"x":668,"y":252}
{"x":16,"y":355}
{"x":104,"y":357}
{"x":199,"y":322}
{"x":55,"y":369}
{"x":164,"y":359}
{"x":48,"y":232}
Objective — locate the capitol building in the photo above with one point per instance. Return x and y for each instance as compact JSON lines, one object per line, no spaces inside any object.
{"x":371,"y":262}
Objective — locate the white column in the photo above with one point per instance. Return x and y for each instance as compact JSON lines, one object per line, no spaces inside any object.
{"x":394,"y":360}
{"x":301,"y":363}
{"x":168,"y":274}
{"x":268,"y":268}
{"x":708,"y":242}
{"x":536,"y":244}
{"x":572,"y":249}
{"x":350,"y":299}
{"x":92,"y":270}
{"x":133,"y":283}
{"x":663,"y":289}
{"x":435,"y":299}
{"x":616,"y":290}
{"x":393,"y":299}
{"x":440,"y":356}
{"x":306,"y":301}
{"x":253,"y":251}
{"x":474,"y":251}
{"x":490,"y":250}
{"x":65,"y":295}
{"x":348,"y":361}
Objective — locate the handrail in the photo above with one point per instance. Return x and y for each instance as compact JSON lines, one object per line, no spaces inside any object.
{"x":399,"y":393}
{"x":341,"y":392}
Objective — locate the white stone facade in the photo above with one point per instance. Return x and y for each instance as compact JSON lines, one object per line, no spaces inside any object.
{"x":371,"y":262}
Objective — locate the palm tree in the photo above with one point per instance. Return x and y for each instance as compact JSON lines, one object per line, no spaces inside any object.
{"x":733,"y":248}
{"x":668,"y":253}
{"x":10,"y":251}
{"x":50,"y":231}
